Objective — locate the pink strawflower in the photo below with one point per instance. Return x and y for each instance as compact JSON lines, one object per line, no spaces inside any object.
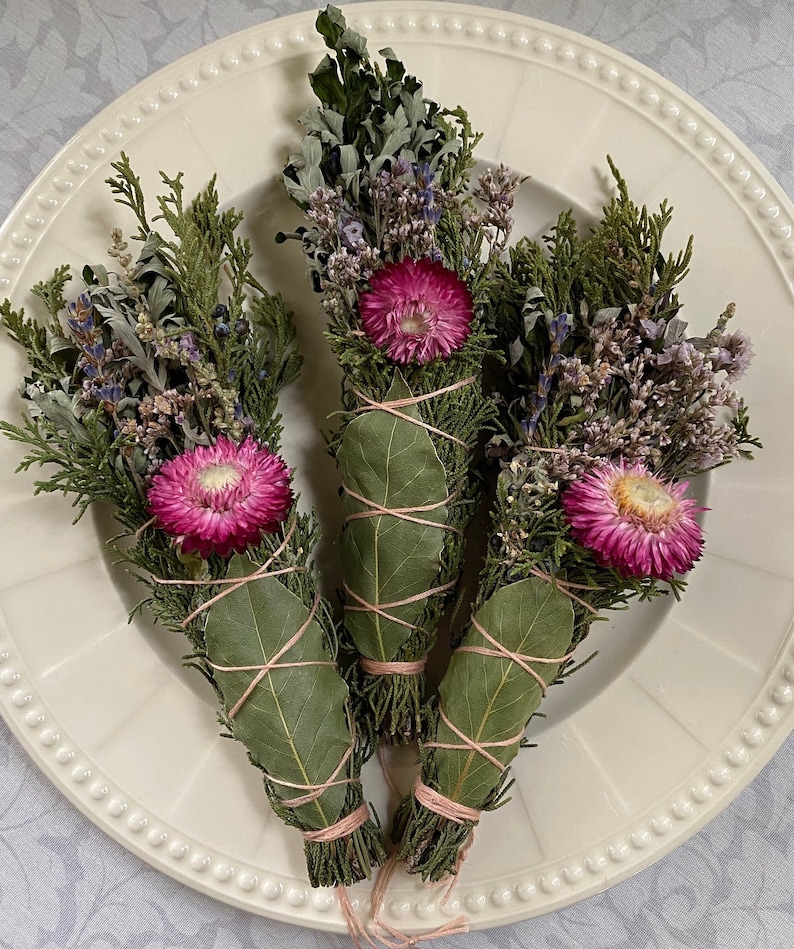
{"x":634,"y":521}
{"x":221,"y":498}
{"x":416,"y":310}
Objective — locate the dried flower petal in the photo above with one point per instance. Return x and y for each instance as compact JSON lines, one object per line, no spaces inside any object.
{"x":221,"y":498}
{"x":416,"y":310}
{"x":634,"y":521}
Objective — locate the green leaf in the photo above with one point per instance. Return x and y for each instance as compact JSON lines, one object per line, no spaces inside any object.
{"x":331,"y":25}
{"x":56,"y":407}
{"x":293,"y":722}
{"x":491,"y":698}
{"x":327,"y":85}
{"x":160,"y":297}
{"x":394,"y":68}
{"x":153,"y":371}
{"x":385,"y":558}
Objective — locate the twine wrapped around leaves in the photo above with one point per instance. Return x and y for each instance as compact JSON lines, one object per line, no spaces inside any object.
{"x":515,"y":645}
{"x":288,"y":705}
{"x":395,"y":551}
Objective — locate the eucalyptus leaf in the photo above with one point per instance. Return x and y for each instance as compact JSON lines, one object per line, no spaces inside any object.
{"x":415,"y":109}
{"x":60,"y":344}
{"x":515,"y":352}
{"x":96,"y":274}
{"x":609,"y":314}
{"x":675,"y":331}
{"x":530,"y":321}
{"x":348,"y":160}
{"x":327,"y":86}
{"x":159,"y":297}
{"x":351,"y":41}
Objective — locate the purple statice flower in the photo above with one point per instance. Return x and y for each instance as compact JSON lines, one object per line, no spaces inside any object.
{"x":681,"y":356}
{"x":351,"y":231}
{"x":401,"y":167}
{"x":733,"y":354}
{"x":187,"y":346}
{"x":497,"y":190}
{"x":653,"y":329}
{"x":325,"y":210}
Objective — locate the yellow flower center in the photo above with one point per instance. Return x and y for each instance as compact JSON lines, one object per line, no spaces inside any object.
{"x":217,"y":477}
{"x":414,"y":319}
{"x":645,"y":498}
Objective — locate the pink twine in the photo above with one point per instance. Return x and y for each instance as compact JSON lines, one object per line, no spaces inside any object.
{"x":354,"y":925}
{"x":565,"y":587}
{"x":443,"y":806}
{"x":403,"y":513}
{"x":400,"y":940}
{"x":237,"y":582}
{"x":502,"y":652}
{"x":451,"y":810}
{"x":380,"y":609}
{"x":479,"y":747}
{"x":376,"y":668}
{"x":317,"y":790}
{"x":273,"y":663}
{"x":393,"y":408}
{"x":343,"y":827}
{"x":138,"y":533}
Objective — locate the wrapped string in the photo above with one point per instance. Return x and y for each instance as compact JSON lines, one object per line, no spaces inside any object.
{"x":264,"y":668}
{"x":564,"y":586}
{"x":393,"y":407}
{"x":357,"y":818}
{"x":500,"y":651}
{"x":344,"y":826}
{"x":443,"y":806}
{"x":381,"y":608}
{"x":377,"y":668}
{"x":234,"y":583}
{"x":404,"y":513}
{"x":481,"y":747}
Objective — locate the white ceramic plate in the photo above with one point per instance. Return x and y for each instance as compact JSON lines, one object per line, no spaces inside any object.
{"x":641,"y":748}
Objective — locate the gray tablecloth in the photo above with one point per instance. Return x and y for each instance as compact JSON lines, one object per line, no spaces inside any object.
{"x":63,"y":883}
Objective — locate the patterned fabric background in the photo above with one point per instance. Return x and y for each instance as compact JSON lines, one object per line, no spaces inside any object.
{"x":63,"y":883}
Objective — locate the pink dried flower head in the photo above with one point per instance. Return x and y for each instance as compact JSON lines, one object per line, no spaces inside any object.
{"x":634,"y":521}
{"x":221,"y":498}
{"x":416,"y":310}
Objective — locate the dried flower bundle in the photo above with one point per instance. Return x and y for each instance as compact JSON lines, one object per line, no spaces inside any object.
{"x":401,"y":246}
{"x":605,"y":406}
{"x":150,"y":394}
